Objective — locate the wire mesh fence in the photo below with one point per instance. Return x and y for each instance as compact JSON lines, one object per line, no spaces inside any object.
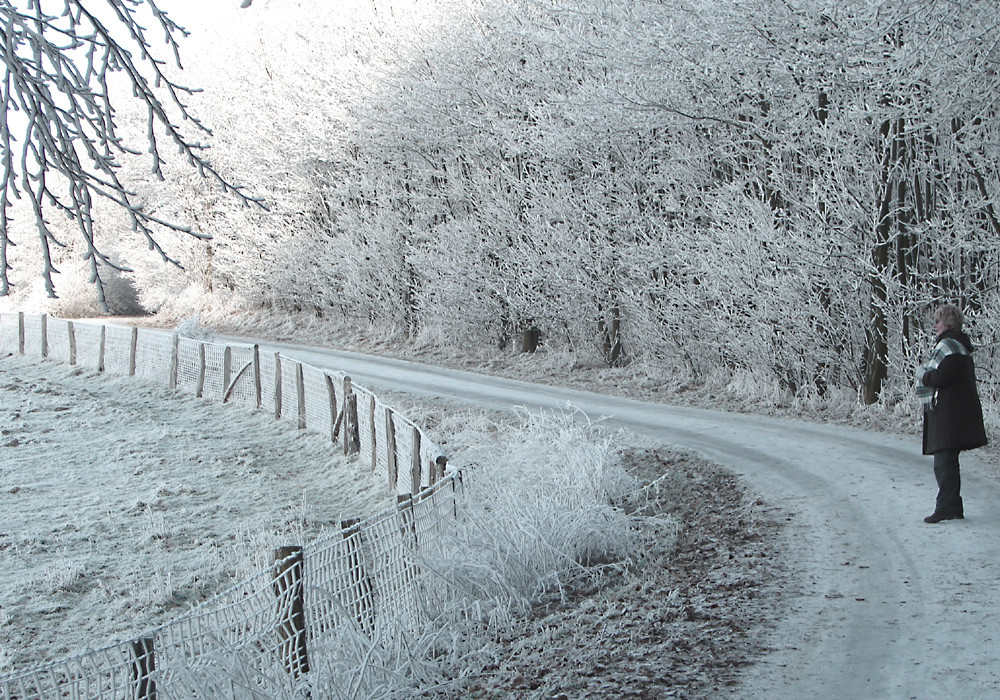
{"x":254,"y":639}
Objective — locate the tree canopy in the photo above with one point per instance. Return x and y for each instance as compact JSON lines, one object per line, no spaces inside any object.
{"x":755,"y":193}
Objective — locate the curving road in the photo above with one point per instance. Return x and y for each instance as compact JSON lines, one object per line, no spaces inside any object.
{"x":889,"y":607}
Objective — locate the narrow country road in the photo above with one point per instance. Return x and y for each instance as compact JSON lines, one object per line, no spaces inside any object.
{"x":889,"y":607}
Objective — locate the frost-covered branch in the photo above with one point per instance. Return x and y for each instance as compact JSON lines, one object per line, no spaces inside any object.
{"x":61,"y":147}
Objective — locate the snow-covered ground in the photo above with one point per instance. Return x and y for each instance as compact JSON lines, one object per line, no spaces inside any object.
{"x":874,"y":602}
{"x":123,"y":504}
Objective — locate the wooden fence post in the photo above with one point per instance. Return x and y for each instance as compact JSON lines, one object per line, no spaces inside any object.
{"x":331,"y":397}
{"x":256,"y":376}
{"x":349,"y":417}
{"x":175,"y":361}
{"x":415,"y":465}
{"x":362,"y":588}
{"x":371,"y":431}
{"x":132,"y":351}
{"x":45,"y":336}
{"x":348,"y":386}
{"x":289,"y":588}
{"x":102,"y":348}
{"x":277,"y":386}
{"x":352,"y":437}
{"x":20,"y":332}
{"x":341,"y":421}
{"x":143,"y":666}
{"x":300,"y":394}
{"x":71,"y":330}
{"x":201,"y":370}
{"x":456,"y":486}
{"x":390,"y":448}
{"x":442,"y":465}
{"x":227,"y":371}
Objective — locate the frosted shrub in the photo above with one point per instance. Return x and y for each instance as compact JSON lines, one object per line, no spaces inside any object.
{"x":539,"y":511}
{"x":754,"y":386}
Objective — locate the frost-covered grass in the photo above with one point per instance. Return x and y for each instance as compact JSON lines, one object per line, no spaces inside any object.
{"x":544,"y":505}
{"x":124,"y":504}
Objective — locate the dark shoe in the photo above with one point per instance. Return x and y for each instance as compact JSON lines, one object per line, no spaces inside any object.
{"x":938,"y":517}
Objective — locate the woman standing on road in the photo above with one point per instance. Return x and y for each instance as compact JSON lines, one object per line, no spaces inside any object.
{"x":953,"y":415}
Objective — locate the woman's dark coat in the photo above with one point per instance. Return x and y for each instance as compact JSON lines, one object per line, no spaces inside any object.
{"x":955,"y":422}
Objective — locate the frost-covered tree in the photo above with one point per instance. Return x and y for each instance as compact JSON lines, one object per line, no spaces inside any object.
{"x":68,"y":66}
{"x":872,"y":138}
{"x":764,"y":191}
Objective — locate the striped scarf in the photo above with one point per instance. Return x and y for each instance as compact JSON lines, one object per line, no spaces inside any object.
{"x":945,"y":347}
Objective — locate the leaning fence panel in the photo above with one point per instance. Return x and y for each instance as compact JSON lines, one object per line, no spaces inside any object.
{"x":234,"y":637}
{"x":352,"y":587}
{"x":393,"y":561}
{"x":110,"y":673}
{"x":333,"y":579}
{"x":434,"y":506}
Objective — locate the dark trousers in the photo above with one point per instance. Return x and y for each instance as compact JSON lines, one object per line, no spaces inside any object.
{"x":949,"y":499}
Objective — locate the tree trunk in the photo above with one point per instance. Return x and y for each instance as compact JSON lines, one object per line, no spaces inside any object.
{"x":530,"y":338}
{"x":876,"y":356}
{"x":611,"y":338}
{"x":876,"y":360}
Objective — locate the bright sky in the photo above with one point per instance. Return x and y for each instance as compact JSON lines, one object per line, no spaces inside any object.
{"x":204,"y":18}
{"x":196,"y":14}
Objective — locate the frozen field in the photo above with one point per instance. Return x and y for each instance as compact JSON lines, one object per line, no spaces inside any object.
{"x":124,"y":504}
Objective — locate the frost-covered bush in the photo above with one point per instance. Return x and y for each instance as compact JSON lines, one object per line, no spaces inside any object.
{"x":544,"y":516}
{"x":540,"y":510}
